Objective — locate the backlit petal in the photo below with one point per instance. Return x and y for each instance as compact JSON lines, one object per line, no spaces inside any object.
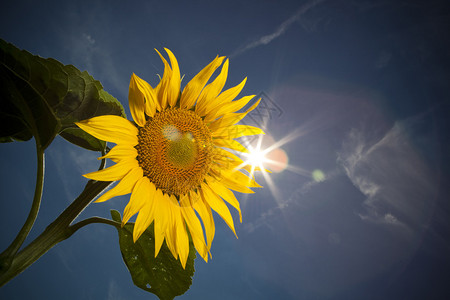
{"x":115,"y":172}
{"x":231,"y":118}
{"x":142,"y":194}
{"x":136,"y":101}
{"x":225,"y":193}
{"x":226,"y":121}
{"x":239,"y":177}
{"x":230,"y":144}
{"x":204,"y":211}
{"x":231,"y":184}
{"x":143,"y":220}
{"x":182,"y":239}
{"x":170,"y":233}
{"x":228,"y":107}
{"x":161,"y":222}
{"x":236,"y":131}
{"x":175,"y":80}
{"x":163,"y":88}
{"x":195,"y":227}
{"x":225,"y":97}
{"x":211,"y":91}
{"x":111,"y":128}
{"x":195,"y":86}
{"x":148,"y":92}
{"x":125,"y":186}
{"x":217,"y":204}
{"x":121,"y":152}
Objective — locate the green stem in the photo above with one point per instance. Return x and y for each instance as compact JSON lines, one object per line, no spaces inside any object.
{"x":56,"y":232}
{"x":92,"y":190}
{"x":93,"y":220}
{"x":6,"y":257}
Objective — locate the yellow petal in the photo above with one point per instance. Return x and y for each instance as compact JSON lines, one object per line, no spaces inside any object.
{"x":236,"y":187}
{"x":245,"y":166}
{"x":226,"y":121}
{"x":163,"y":88}
{"x":225,"y":193}
{"x":162,"y":218}
{"x":225,"y":97}
{"x":231,"y":184}
{"x":228,"y":107}
{"x":125,"y":186}
{"x":195,"y":227}
{"x":228,"y":160}
{"x":239,"y":177}
{"x":230,"y":144}
{"x":175,"y":80}
{"x":182,"y":239}
{"x":121,"y":152}
{"x":136,"y":101}
{"x":195,"y":86}
{"x":143,"y":220}
{"x":211,"y":91}
{"x":111,"y":128}
{"x":204,"y":211}
{"x":228,"y":163}
{"x":217,"y":204}
{"x":170,"y":233}
{"x":142,"y":194}
{"x":144,"y":89}
{"x":236,"y":131}
{"x":115,"y":172}
{"x":231,"y":118}
{"x":142,"y":197}
{"x":224,"y":154}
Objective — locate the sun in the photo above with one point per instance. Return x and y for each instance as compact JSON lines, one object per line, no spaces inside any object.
{"x":265,"y":155}
{"x":256,"y":157}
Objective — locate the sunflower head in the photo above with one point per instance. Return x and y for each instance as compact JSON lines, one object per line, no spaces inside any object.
{"x":177,"y":159}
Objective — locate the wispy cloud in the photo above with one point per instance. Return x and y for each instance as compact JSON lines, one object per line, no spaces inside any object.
{"x":88,"y":43}
{"x":89,"y":54}
{"x":397,"y":183}
{"x":69,"y":161}
{"x":266,"y":39}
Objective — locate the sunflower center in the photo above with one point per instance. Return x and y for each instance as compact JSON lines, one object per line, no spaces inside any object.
{"x":175,"y":150}
{"x":183,"y":151}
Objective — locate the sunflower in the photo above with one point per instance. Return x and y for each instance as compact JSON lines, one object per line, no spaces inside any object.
{"x":173,"y":158}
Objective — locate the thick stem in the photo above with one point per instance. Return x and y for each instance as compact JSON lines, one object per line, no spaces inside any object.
{"x":92,"y":190}
{"x":56,"y":232}
{"x":7,"y":256}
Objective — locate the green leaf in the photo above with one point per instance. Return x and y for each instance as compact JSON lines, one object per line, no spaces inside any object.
{"x":42,"y":98}
{"x":163,"y":276}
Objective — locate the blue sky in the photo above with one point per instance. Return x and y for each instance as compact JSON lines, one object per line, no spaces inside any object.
{"x":359,"y":91}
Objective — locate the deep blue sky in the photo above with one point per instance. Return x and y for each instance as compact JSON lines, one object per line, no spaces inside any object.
{"x":362,"y":93}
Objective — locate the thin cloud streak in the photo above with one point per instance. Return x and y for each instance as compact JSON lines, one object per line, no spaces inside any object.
{"x":398,"y":186}
{"x":266,"y":39}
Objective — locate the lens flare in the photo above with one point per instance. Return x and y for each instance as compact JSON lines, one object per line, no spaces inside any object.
{"x":256,"y":157}
{"x":276,"y":160}
{"x":264,"y":156}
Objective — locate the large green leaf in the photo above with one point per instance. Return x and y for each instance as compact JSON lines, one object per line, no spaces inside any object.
{"x":42,"y":98}
{"x":163,"y":276}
